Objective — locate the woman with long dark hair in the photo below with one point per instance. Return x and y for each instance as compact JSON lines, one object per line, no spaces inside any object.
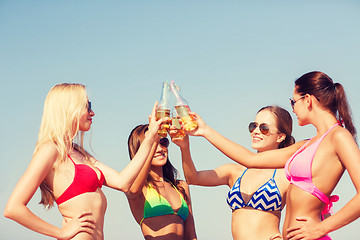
{"x":313,"y":167}
{"x":159,"y":202}
{"x":256,"y":194}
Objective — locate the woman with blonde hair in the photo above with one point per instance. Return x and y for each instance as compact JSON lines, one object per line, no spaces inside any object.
{"x":69,"y":175}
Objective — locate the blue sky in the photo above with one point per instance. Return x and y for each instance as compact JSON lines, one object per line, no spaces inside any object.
{"x":229,"y":57}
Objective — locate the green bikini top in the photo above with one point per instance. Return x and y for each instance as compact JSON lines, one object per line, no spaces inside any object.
{"x":156,"y":205}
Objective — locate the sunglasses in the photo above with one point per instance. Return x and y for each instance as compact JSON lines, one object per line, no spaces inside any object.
{"x":89,"y":107}
{"x":292,"y":101}
{"x":264,"y":127}
{"x":164,"y":142}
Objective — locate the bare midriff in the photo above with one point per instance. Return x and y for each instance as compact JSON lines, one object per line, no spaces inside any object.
{"x":163,"y":227}
{"x":250,"y":223}
{"x":301,"y":204}
{"x":94,"y":202}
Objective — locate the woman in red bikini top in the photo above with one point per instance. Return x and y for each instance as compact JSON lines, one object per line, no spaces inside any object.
{"x":317,"y":166}
{"x":67,"y":174}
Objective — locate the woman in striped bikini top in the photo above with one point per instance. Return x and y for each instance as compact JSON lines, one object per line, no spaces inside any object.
{"x":256,"y":196}
{"x":314,"y":167}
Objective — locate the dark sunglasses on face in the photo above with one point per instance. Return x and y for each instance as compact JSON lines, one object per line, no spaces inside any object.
{"x":89,"y":107}
{"x":164,"y":142}
{"x":292,"y":101}
{"x":264,"y":128}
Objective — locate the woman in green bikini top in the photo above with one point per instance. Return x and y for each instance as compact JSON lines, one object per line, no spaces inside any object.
{"x":158,"y":201}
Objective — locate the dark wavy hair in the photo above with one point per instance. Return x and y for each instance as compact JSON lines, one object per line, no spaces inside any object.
{"x":170,"y":173}
{"x":330,"y":95}
{"x":283,"y":124}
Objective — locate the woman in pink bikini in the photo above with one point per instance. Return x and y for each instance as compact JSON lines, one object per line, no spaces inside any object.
{"x":313,"y":167}
{"x":67,"y":174}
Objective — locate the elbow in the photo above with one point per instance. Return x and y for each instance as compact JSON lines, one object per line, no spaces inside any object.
{"x":7,"y":213}
{"x":10,"y":211}
{"x":125,"y":189}
{"x":132,"y":194}
{"x":191,"y":180}
{"x":250,"y":165}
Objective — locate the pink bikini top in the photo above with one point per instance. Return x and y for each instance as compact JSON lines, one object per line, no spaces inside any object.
{"x":298,"y":172}
{"x":85,"y":180}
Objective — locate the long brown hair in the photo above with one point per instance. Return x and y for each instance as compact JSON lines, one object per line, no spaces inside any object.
{"x":170,"y":173}
{"x":330,"y":95}
{"x":283,"y":124}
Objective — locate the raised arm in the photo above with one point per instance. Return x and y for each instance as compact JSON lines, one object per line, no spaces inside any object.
{"x":16,"y":207}
{"x":216,"y":177}
{"x":140,"y":180}
{"x":124,"y":180}
{"x":268,"y":159}
{"x":189,"y":225}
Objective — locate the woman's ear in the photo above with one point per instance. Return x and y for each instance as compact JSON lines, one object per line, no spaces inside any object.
{"x":281,"y":137}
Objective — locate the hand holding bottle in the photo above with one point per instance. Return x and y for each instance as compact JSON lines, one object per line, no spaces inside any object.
{"x":182,"y":109}
{"x":163,"y":109}
{"x":155,"y":123}
{"x":179,"y":137}
{"x":176,"y":130}
{"x":201,"y":126}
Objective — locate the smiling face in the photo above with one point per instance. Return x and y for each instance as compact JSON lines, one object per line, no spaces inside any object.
{"x":270,"y":141}
{"x":85,"y":120}
{"x":160,"y":156}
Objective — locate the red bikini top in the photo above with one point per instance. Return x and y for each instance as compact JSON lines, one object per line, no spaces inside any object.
{"x":85,"y":180}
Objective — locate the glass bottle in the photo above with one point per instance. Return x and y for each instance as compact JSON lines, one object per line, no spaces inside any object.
{"x":182,"y":109}
{"x":176,"y":123}
{"x":163,"y":109}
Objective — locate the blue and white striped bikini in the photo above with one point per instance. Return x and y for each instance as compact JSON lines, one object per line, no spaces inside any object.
{"x":266,"y":198}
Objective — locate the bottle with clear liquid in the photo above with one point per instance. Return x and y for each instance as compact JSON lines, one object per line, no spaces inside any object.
{"x":163,"y":109}
{"x":182,"y":109}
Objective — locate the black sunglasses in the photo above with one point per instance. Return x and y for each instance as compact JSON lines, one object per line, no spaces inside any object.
{"x":164,"y":142}
{"x":264,"y":127}
{"x":292,"y":101}
{"x":89,"y":107}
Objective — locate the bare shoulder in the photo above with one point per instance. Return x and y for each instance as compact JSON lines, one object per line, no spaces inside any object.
{"x":340,"y":134}
{"x":47,"y":152}
{"x":343,"y":141}
{"x":184,"y":185}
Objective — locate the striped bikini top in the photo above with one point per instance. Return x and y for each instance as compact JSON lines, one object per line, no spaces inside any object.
{"x":266,"y":198}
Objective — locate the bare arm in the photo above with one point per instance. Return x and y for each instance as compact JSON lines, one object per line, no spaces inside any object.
{"x":16,"y":207}
{"x":139,"y":182}
{"x":189,"y":225}
{"x":349,"y":155}
{"x":216,"y":177}
{"x":124,"y":180}
{"x":269,"y":159}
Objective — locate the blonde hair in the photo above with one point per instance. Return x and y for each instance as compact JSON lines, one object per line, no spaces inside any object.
{"x":63,"y":107}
